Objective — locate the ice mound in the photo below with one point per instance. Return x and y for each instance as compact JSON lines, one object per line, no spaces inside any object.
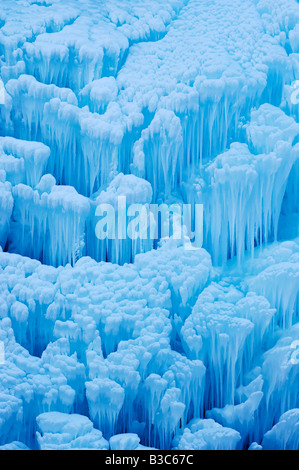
{"x":126,"y":442}
{"x":207,"y":435}
{"x":254,"y":219}
{"x":59,"y":431}
{"x":98,"y":94}
{"x":268,"y":126}
{"x":186,"y":272}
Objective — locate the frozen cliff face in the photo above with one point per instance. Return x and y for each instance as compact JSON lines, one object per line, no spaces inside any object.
{"x":131,"y":344}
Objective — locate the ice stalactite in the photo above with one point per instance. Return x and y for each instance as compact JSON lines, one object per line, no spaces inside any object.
{"x":6,"y":125}
{"x":256,"y":194}
{"x":6,"y":208}
{"x":105,"y":399}
{"x":207,"y":435}
{"x":28,"y":99}
{"x":280,"y":374}
{"x":157,"y":155}
{"x":108,"y":234}
{"x":217,"y":337}
{"x":53,"y":222}
{"x":37,"y":386}
{"x":23,"y":161}
{"x":225,"y":331}
{"x":289,"y":217}
{"x":180,"y":139}
{"x":280,"y":285}
{"x":187,"y":375}
{"x":168,"y":417}
{"x":214,"y":107}
{"x":86,"y":146}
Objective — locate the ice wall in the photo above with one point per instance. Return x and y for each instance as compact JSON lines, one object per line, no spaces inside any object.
{"x":108,"y":233}
{"x":137,"y":344}
{"x":6,"y":208}
{"x":23,"y":162}
{"x":49,"y":222}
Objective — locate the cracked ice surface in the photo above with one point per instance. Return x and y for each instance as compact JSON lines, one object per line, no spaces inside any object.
{"x":158,"y":101}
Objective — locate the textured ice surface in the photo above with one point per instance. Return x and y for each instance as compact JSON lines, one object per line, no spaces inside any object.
{"x":157,"y":101}
{"x":6,"y":207}
{"x":58,"y":431}
{"x":285,"y":434}
{"x":23,"y":162}
{"x":123,"y":191}
{"x":49,"y":222}
{"x":207,"y":435}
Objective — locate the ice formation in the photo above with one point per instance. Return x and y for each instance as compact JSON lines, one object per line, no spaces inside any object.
{"x":285,"y":434}
{"x":207,"y":435}
{"x":135,"y":344}
{"x":59,"y":431}
{"x":122,"y":192}
{"x":49,"y":222}
{"x":23,"y":162}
